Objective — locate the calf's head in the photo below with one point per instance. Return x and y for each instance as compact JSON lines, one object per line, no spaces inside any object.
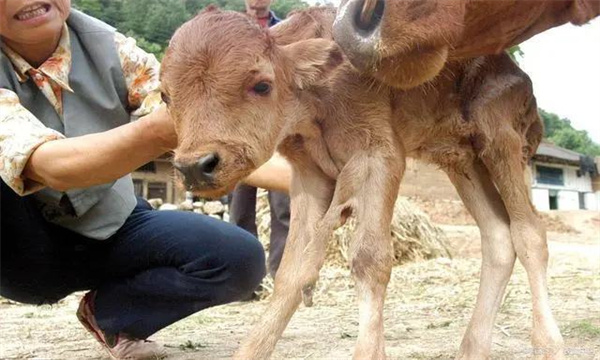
{"x":230,"y":88}
{"x":403,"y":43}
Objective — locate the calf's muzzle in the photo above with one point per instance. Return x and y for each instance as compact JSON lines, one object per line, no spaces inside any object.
{"x":199,"y":172}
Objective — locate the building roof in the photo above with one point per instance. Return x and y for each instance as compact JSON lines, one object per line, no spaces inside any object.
{"x":550,"y":150}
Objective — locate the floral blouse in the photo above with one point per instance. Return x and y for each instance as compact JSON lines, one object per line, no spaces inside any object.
{"x":21,"y":132}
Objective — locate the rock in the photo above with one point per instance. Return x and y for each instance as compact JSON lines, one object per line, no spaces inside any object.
{"x":198,"y":204}
{"x":213,"y":207}
{"x":155,"y":203}
{"x":215,"y":216}
{"x":186,"y":206}
{"x":226,"y":216}
{"x":168,"y":207}
{"x":199,"y":211}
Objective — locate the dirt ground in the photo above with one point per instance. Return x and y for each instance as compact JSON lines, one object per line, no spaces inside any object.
{"x":427,"y":309}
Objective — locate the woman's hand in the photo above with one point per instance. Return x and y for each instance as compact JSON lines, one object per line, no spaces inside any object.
{"x":100,"y":158}
{"x":275,"y":174}
{"x":164,"y":127}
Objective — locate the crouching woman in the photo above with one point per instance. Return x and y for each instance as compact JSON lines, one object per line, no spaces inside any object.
{"x":69,"y":87}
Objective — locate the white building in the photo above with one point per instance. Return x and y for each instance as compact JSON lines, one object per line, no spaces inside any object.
{"x":559,"y":182}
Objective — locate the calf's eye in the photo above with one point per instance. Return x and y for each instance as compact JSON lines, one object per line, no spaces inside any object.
{"x":165,"y":98}
{"x":262,"y":88}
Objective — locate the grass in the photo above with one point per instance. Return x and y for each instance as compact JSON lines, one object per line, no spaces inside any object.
{"x":191,"y":346}
{"x":345,"y":335}
{"x":193,"y":321}
{"x":37,"y":315}
{"x":29,"y":315}
{"x":585,"y":329}
{"x":440,"y":325}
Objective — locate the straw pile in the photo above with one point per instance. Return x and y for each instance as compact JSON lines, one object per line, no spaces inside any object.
{"x":414,"y":236}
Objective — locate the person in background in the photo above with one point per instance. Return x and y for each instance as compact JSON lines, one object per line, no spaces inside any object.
{"x":242,"y":202}
{"x":70,"y":87}
{"x":261,"y":11}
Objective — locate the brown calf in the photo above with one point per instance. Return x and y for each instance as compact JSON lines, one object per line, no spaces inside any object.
{"x":405,"y":43}
{"x":238,"y":92}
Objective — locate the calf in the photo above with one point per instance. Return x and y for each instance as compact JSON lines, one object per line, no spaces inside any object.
{"x":238,"y":92}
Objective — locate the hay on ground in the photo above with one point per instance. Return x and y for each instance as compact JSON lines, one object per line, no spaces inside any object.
{"x":414,"y":236}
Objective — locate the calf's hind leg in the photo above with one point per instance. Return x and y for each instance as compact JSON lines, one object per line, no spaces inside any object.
{"x":503,"y":159}
{"x":481,"y":198}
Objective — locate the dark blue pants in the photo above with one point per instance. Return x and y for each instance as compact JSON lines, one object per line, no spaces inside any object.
{"x":242,"y":211}
{"x":160,"y":267}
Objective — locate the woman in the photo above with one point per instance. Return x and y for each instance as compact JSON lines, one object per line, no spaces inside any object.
{"x":69,"y":86}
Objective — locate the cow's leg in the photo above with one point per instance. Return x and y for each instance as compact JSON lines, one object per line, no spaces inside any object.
{"x":483,"y":201}
{"x":311,"y":193}
{"x":371,"y":252}
{"x":503,"y":160}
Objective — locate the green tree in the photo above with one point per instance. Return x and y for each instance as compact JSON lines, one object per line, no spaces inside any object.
{"x":90,"y":7}
{"x":135,"y":16}
{"x":162,"y":19}
{"x":154,"y":48}
{"x":153,"y":22}
{"x":515,"y":53}
{"x":112,"y":12}
{"x":284,"y":7}
{"x":560,"y":132}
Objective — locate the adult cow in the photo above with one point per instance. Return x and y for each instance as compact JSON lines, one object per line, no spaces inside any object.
{"x":237,"y":92}
{"x":405,"y":43}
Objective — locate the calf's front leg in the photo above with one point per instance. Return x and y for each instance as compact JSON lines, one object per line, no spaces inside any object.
{"x":311,"y":193}
{"x":314,"y":216}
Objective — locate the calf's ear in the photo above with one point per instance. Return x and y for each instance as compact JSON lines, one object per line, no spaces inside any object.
{"x":313,"y":60}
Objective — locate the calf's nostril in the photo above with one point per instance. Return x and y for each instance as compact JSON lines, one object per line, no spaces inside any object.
{"x":186,"y":170}
{"x":369,"y":15}
{"x":199,"y":172}
{"x":208,"y":163}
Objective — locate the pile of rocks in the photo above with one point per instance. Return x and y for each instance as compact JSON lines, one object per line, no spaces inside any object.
{"x":215,"y":209}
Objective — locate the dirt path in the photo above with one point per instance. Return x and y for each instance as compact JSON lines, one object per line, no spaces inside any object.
{"x":428,"y":307}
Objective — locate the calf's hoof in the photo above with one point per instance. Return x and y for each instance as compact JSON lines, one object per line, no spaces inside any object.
{"x":246,"y":354}
{"x":548,"y":344}
{"x":548,"y":354}
{"x":369,"y":352}
{"x":474,"y":347}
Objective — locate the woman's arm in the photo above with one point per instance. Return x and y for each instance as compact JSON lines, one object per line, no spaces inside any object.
{"x":275,"y":174}
{"x":103,"y":157}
